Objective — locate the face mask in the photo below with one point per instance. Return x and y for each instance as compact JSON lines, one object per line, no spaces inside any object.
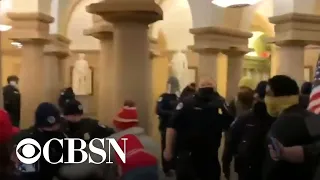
{"x":275,"y":105}
{"x":205,"y":92}
{"x":13,"y":83}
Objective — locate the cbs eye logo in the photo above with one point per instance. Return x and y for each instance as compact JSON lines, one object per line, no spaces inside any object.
{"x":26,"y":151}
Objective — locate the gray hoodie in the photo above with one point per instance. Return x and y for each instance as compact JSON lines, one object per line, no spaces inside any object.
{"x":78,"y":171}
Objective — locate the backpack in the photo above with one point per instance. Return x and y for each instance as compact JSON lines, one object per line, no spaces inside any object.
{"x":252,"y":143}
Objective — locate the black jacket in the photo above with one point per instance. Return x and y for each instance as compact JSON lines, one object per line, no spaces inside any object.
{"x":246,"y":141}
{"x":165,"y":107}
{"x":12,"y":103}
{"x":199,"y":122}
{"x":304,"y":100}
{"x":290,"y":129}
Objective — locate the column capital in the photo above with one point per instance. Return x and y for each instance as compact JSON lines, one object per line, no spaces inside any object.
{"x":100,"y":32}
{"x":235,"y":51}
{"x":58,"y":46}
{"x":296,"y":27}
{"x":146,"y":11}
{"x":30,"y":27}
{"x":101,"y":29}
{"x":301,"y":43}
{"x":219,"y":38}
{"x":204,"y":50}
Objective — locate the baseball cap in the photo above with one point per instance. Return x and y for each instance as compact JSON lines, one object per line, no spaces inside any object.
{"x":47,"y":115}
{"x":73,"y":107}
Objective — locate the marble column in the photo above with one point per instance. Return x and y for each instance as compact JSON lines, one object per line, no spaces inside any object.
{"x":133,"y":70}
{"x":32,"y":30}
{"x":103,"y":31}
{"x":293,"y":31}
{"x":208,"y":63}
{"x":288,"y":53}
{"x":55,"y":51}
{"x":234,"y":72}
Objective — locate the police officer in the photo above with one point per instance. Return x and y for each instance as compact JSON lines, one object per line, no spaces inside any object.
{"x":197,"y":125}
{"x":46,"y":127}
{"x":82,"y":127}
{"x":165,"y":108}
{"x":11,"y":98}
{"x":87,"y":129}
{"x":66,"y":95}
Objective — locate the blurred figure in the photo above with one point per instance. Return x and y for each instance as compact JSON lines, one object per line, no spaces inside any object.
{"x":188,"y":91}
{"x":66,"y":95}
{"x":46,"y":127}
{"x":290,"y":128}
{"x":126,"y":122}
{"x":164,"y":109}
{"x":7,"y":131}
{"x":244,"y":99}
{"x":82,"y":127}
{"x":305,"y":94}
{"x":246,"y":139}
{"x":11,"y":99}
{"x":140,"y":165}
{"x":195,"y":133}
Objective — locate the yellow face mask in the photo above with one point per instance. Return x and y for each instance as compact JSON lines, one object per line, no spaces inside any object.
{"x":275,"y":105}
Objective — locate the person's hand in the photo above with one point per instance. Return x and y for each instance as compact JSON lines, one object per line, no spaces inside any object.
{"x":276,"y":156}
{"x":167,"y":154}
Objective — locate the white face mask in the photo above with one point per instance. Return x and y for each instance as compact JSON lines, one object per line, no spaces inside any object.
{"x":13,"y":83}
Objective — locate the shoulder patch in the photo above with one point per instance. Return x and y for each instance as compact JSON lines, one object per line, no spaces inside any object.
{"x":160,"y":99}
{"x":179,"y":106}
{"x":86,"y":136}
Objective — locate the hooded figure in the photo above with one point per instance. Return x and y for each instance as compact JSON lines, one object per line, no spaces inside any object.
{"x":244,"y":99}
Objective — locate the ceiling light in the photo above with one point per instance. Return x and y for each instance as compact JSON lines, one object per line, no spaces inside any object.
{"x":234,"y":3}
{"x":16,"y":44}
{"x":5,"y":6}
{"x":5,"y":27}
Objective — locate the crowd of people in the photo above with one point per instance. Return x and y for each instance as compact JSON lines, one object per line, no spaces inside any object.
{"x":269,"y":134}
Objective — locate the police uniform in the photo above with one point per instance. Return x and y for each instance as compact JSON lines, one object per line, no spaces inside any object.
{"x":12,"y":102}
{"x":47,"y":115}
{"x":165,"y":107}
{"x":86,"y":129}
{"x":199,"y":121}
{"x":66,"y":95}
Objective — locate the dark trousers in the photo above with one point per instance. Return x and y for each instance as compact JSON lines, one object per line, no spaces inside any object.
{"x":201,"y":166}
{"x":166,"y":165}
{"x":250,"y":174}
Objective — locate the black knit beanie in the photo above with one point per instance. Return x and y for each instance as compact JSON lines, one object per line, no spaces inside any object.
{"x":261,"y":89}
{"x":283,"y":85}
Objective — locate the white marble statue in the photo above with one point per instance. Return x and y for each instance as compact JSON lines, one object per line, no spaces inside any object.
{"x":179,"y":65}
{"x":82,"y":77}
